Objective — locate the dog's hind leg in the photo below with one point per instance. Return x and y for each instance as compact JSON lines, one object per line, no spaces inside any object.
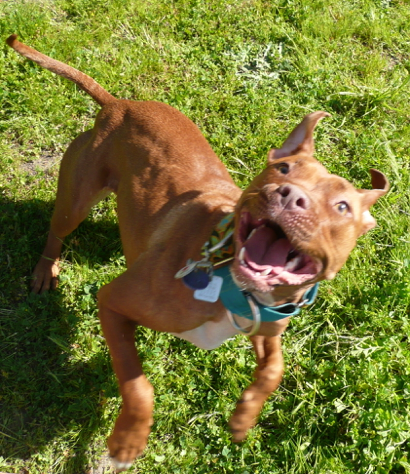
{"x":81,"y":184}
{"x":267,"y":378}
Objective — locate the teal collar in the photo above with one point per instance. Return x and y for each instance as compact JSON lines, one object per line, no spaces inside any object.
{"x":236,"y":301}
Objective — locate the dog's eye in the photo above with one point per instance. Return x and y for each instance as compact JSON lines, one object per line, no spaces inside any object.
{"x":342,"y":208}
{"x":283,"y":168}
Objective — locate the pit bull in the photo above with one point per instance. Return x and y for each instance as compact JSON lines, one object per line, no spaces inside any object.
{"x":205,"y":260}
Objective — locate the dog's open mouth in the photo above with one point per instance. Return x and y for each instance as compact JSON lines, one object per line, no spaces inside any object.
{"x":266,"y":256}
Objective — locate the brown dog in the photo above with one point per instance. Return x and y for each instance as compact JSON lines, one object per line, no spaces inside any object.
{"x":293,"y":226}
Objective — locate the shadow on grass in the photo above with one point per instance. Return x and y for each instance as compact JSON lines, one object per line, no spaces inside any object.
{"x":46,"y":394}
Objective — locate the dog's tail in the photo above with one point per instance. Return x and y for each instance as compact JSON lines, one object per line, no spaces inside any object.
{"x":98,"y":93}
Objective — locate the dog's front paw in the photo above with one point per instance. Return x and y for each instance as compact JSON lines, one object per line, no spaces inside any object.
{"x":45,"y":275}
{"x":245,"y":416}
{"x":125,"y":447}
{"x":128,"y":441}
{"x":119,"y":466}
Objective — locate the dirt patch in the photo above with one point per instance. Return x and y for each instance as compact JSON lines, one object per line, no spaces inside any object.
{"x":47,"y":162}
{"x":103,"y":466}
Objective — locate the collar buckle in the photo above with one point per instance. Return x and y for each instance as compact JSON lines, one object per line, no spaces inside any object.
{"x":303,"y":303}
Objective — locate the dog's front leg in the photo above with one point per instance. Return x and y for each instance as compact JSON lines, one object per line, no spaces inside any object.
{"x":267,"y":378}
{"x":132,"y":427}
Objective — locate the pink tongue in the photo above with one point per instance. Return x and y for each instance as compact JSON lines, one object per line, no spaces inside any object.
{"x":263,"y":251}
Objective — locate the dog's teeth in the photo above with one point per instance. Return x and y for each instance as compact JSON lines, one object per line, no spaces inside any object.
{"x":241,"y":255}
{"x":255,"y":230}
{"x":266,"y":272}
{"x":292,"y":264}
{"x":250,"y":235}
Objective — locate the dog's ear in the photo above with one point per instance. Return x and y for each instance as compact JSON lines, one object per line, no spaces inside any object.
{"x":300,"y":139}
{"x":380,"y":185}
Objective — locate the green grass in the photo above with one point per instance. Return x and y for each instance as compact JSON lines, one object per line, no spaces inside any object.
{"x":245,"y":72}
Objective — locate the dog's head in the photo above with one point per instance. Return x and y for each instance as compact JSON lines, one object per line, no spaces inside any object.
{"x":296,"y":223}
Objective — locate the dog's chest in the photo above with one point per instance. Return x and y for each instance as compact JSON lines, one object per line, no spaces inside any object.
{"x":212,"y":334}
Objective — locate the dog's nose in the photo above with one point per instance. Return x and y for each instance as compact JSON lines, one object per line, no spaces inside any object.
{"x":293,"y":198}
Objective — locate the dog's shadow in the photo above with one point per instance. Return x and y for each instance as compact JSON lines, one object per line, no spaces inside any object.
{"x":53,"y":391}
{"x":50,"y":388}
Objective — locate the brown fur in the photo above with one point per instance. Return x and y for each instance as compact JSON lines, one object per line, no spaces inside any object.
{"x":171,"y":191}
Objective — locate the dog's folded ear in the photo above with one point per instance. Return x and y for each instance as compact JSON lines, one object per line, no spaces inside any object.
{"x":380,"y":185}
{"x":301,"y":138}
{"x":379,"y":181}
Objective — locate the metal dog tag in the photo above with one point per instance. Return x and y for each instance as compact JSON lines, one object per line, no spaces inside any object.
{"x":211,"y":292}
{"x":189,"y":267}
